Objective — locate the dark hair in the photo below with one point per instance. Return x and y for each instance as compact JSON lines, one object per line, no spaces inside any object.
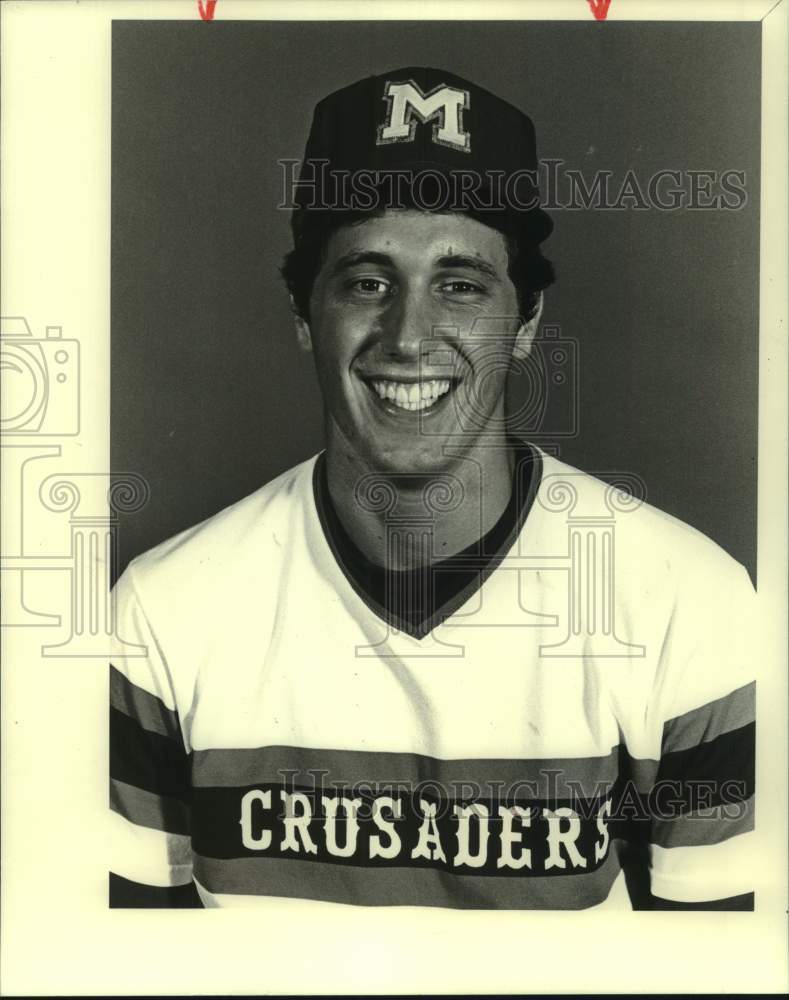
{"x":528,"y":270}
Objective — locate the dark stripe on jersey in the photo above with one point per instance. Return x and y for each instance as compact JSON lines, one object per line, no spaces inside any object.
{"x":158,"y":812}
{"x":258,"y":822}
{"x":146,"y":708}
{"x":548,"y":778}
{"x":726,"y":764}
{"x":404,"y":886}
{"x":711,"y":826}
{"x":416,"y":601}
{"x":126,"y":894}
{"x":703,"y":724}
{"x":718,"y":774}
{"x":641,"y":772}
{"x":147,"y":760}
{"x":744,"y":902}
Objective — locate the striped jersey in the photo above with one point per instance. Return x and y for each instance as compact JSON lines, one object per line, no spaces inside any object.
{"x":279,"y":730}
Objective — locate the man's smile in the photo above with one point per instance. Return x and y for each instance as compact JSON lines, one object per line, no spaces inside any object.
{"x":410,"y":394}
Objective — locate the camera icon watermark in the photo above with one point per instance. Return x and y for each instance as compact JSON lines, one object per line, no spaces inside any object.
{"x":41,"y":402}
{"x":543,"y":397}
{"x":40,"y":381}
{"x":541,"y":379}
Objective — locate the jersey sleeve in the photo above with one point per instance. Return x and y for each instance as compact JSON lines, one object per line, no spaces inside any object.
{"x":149,"y":763}
{"x":702,"y":800}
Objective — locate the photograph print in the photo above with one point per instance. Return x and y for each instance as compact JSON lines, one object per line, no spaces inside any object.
{"x":436,"y":344}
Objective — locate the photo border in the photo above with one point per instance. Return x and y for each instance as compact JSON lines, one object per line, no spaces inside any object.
{"x":59,"y":937}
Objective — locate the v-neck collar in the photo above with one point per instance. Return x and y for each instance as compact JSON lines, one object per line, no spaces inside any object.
{"x":469,"y":568}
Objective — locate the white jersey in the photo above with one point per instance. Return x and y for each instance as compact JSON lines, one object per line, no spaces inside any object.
{"x":275,"y":735}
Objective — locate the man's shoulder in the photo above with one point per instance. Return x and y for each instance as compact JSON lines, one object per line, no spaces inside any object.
{"x":223,"y":543}
{"x":646,"y":538}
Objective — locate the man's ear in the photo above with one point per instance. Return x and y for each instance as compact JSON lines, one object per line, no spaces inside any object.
{"x":303,"y":334}
{"x":525,"y":336}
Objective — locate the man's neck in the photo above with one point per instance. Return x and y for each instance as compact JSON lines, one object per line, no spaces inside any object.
{"x":405,"y":521}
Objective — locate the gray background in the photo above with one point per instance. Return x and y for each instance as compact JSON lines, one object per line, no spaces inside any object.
{"x":210,"y":396}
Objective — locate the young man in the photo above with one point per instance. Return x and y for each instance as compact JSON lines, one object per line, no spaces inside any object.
{"x":433,"y":665}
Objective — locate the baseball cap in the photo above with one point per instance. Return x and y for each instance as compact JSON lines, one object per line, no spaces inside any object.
{"x":424,"y":137}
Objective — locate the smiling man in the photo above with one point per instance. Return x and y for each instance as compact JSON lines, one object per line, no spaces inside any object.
{"x":395,"y":391}
{"x":415,"y":670}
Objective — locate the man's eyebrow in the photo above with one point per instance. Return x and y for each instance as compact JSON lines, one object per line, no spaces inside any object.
{"x":355,"y":257}
{"x":467,"y":261}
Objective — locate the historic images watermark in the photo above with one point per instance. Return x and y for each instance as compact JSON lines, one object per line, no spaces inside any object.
{"x":313,"y":185}
{"x":42,"y":406}
{"x":642,"y":800}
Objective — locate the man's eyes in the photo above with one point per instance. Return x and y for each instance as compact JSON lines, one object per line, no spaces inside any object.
{"x":379,"y":287}
{"x":371,"y":286}
{"x":459,"y":286}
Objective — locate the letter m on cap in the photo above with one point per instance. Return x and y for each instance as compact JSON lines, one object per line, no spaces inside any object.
{"x":407,"y":106}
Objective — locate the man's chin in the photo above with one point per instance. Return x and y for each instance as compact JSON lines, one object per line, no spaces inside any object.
{"x":410,"y":459}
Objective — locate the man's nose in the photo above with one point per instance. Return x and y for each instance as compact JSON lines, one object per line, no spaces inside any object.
{"x":407,"y":325}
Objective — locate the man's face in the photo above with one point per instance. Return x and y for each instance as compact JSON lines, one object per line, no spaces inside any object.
{"x":413,"y":321}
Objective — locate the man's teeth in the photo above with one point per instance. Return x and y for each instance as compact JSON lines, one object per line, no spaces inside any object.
{"x":412,"y":395}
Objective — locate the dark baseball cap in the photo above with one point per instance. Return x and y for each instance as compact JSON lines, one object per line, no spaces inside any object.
{"x":444,"y":141}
